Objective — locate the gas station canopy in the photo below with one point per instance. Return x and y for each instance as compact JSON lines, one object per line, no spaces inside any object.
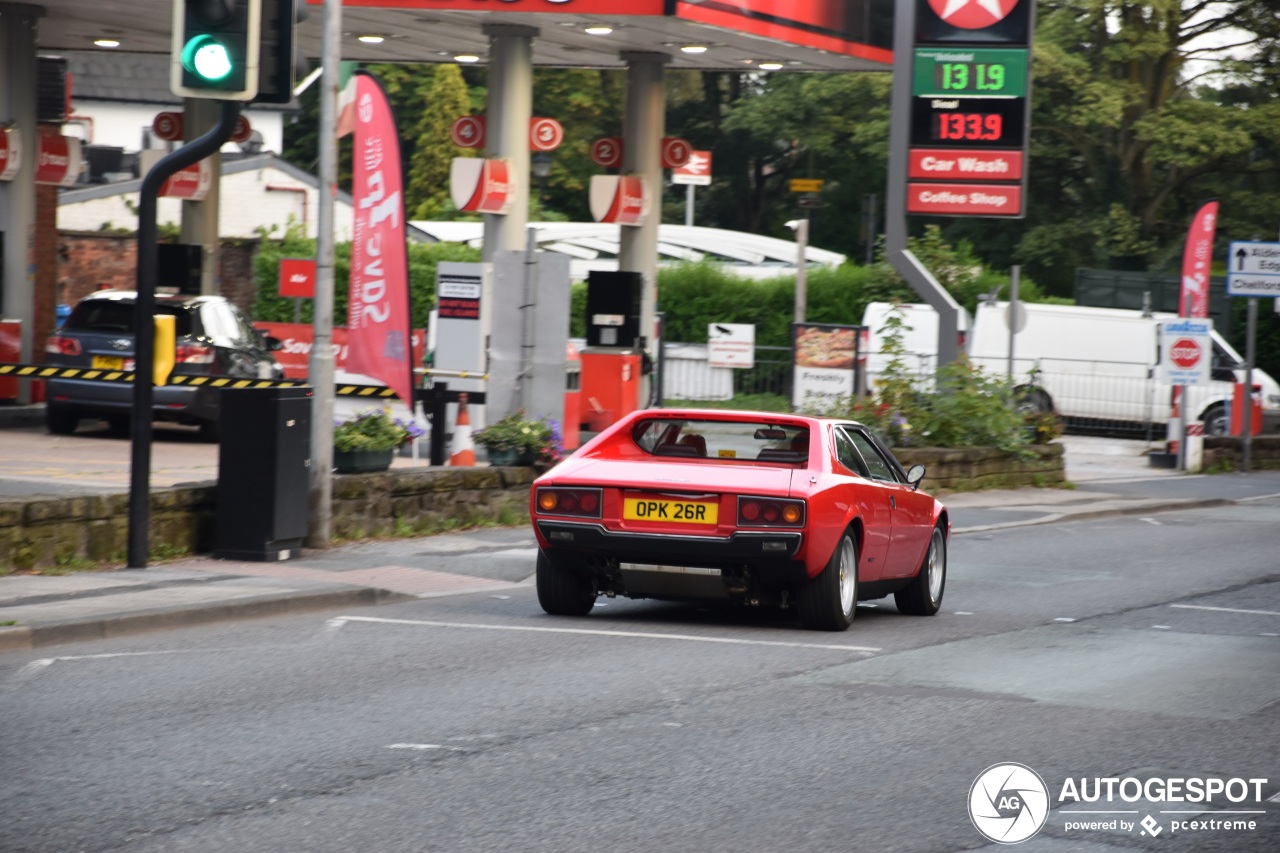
{"x":724,"y":35}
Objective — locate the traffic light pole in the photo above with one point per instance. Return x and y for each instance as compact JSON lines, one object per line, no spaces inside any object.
{"x":144,"y":346}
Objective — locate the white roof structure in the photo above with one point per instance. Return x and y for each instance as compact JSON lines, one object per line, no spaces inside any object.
{"x":594,"y":246}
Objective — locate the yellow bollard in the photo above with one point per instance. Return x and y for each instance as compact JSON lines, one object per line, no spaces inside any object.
{"x":165,"y":343}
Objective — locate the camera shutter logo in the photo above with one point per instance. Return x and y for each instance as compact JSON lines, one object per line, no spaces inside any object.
{"x":1008,"y":803}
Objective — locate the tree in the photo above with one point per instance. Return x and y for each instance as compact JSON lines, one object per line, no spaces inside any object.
{"x":446,"y":98}
{"x":1126,"y":137}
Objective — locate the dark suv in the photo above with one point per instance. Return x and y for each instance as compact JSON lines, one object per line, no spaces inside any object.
{"x":212,"y":338}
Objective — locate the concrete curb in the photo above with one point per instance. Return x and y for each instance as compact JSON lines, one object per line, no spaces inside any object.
{"x":1145,"y":509}
{"x":22,"y":638}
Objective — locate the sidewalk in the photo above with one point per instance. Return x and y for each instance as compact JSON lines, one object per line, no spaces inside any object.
{"x":1111,"y":477}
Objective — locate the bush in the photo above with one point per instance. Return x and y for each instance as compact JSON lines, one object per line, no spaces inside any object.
{"x":966,"y":407}
{"x":271,"y":307}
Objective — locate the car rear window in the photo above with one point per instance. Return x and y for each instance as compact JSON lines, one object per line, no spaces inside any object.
{"x":113,"y":316}
{"x":715,"y":439}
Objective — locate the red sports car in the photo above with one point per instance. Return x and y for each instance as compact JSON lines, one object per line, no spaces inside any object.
{"x":753,"y":507}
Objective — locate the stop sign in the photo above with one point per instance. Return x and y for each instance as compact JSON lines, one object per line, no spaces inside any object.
{"x":1185,"y":353}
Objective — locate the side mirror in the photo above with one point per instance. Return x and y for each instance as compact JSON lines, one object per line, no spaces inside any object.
{"x":914,"y":475}
{"x":274,"y":344}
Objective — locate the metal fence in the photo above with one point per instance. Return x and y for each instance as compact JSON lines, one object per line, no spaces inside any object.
{"x":688,"y":375}
{"x":1092,"y":396}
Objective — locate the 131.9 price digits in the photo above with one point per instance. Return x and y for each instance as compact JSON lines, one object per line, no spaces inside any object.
{"x":967,"y":126}
{"x":959,"y":76}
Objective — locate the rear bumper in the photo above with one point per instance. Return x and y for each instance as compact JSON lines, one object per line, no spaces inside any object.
{"x":108,"y":398}
{"x":760,"y":549}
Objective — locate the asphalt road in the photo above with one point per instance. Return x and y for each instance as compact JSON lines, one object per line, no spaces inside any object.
{"x":1129,"y":647}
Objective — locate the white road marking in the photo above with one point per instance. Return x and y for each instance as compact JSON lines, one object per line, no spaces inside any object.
{"x":423,"y":746}
{"x":1161,"y":627}
{"x":1151,"y":521}
{"x":1258,"y":498}
{"x":1274,"y":798}
{"x":964,"y":612}
{"x":38,"y":666}
{"x":1064,"y":619}
{"x":338,"y":622}
{"x":1226,"y":609}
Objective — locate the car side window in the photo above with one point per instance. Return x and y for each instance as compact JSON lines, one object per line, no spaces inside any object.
{"x":848,"y":454}
{"x":880,"y":468}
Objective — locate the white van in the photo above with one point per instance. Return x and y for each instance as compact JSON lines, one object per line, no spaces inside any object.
{"x":919,"y":338}
{"x":1095,"y":366}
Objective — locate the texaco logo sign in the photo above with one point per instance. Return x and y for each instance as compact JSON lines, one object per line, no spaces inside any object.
{"x":972,"y":14}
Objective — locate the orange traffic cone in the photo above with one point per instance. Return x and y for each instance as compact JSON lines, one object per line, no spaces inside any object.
{"x":462,"y":452}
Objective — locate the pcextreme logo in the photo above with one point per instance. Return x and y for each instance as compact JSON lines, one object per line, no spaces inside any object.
{"x":1009,"y":803}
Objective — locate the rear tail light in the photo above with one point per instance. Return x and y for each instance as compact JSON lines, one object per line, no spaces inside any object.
{"x":59,"y":345}
{"x":187,"y":353}
{"x":770,"y":512}
{"x":584,"y":503}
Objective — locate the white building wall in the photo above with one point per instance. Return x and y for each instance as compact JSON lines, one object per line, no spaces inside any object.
{"x":252,"y":199}
{"x":127,"y":125}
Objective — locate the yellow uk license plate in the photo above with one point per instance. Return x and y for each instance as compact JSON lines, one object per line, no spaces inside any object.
{"x":666,"y":509}
{"x":108,"y":362}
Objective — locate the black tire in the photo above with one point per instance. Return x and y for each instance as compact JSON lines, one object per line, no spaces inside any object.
{"x":563,"y":589}
{"x":1030,"y":400}
{"x":1215,"y":420}
{"x":209,"y":432}
{"x":828,"y":602}
{"x":61,"y":421}
{"x":923,"y":597}
{"x":119,"y":425}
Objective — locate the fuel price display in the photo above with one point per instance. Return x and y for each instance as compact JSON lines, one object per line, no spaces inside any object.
{"x":969,"y":72}
{"x":968,"y":122}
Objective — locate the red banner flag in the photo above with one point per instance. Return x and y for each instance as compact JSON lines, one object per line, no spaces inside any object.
{"x":378,"y":301}
{"x":1196,"y":257}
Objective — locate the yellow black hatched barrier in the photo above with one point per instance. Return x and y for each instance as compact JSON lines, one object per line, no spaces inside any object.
{"x":45,"y":371}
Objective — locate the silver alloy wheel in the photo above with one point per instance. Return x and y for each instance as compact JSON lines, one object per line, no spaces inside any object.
{"x":848,"y":575}
{"x":932,"y":566}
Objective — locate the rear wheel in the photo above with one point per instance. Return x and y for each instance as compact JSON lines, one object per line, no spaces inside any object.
{"x":119,"y":424}
{"x":563,"y":589}
{"x":923,"y":596}
{"x":61,"y":421}
{"x":1215,"y":420}
{"x":1030,"y":400}
{"x":827,"y":602}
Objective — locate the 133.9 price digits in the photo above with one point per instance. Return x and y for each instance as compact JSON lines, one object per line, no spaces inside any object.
{"x":967,"y":126}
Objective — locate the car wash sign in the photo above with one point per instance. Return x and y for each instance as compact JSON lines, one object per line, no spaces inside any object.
{"x":1186,"y":349}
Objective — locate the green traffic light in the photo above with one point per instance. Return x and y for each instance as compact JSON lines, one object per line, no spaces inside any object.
{"x":207,"y":58}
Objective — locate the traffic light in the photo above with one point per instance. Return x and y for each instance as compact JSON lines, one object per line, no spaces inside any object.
{"x":215,"y":49}
{"x":277,"y":65}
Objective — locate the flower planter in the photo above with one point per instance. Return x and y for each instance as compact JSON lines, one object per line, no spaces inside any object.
{"x":502,"y":458}
{"x":361,"y":461}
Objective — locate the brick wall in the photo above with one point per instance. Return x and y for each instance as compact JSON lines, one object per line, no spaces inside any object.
{"x":89,"y":258}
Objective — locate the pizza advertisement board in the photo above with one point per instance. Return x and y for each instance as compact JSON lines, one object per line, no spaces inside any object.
{"x":825,"y":358}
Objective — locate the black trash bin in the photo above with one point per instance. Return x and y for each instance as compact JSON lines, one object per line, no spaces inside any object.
{"x":264,"y":473}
